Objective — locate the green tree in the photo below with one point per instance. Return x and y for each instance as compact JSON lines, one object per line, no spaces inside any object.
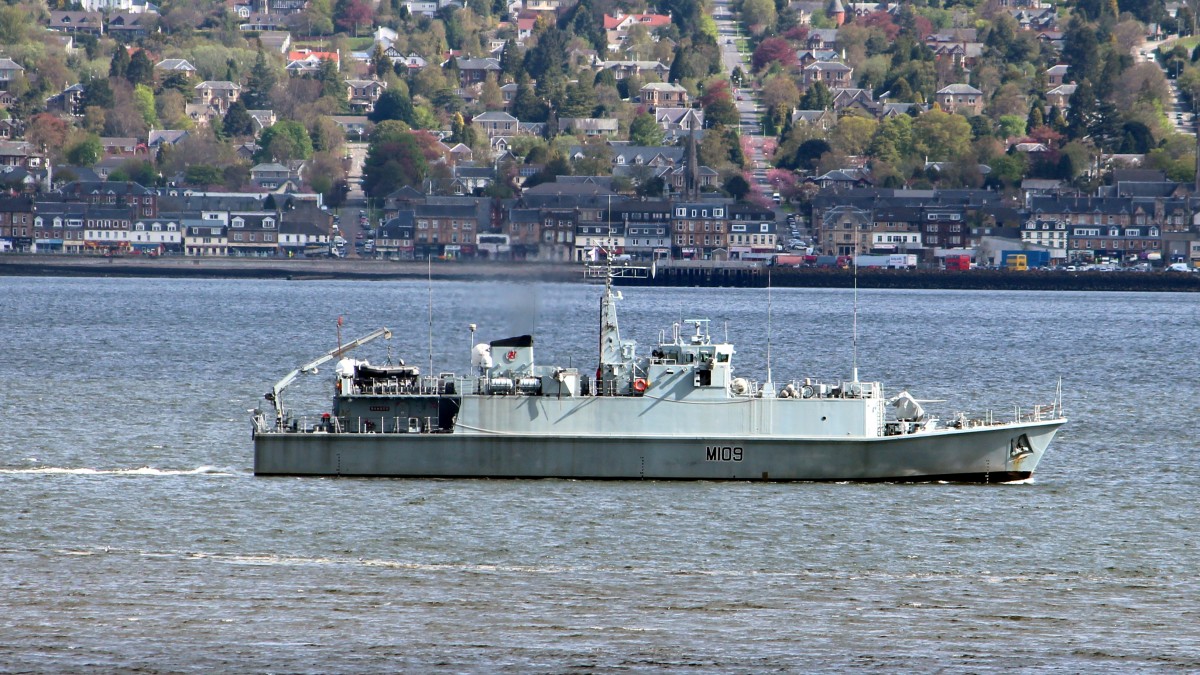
{"x":203,"y":175}
{"x":143,"y":100}
{"x":942,"y":136}
{"x":137,"y":170}
{"x":285,"y":140}
{"x":97,"y":93}
{"x":606,"y":78}
{"x":1081,"y":49}
{"x":723,"y":112}
{"x":332,"y":84}
{"x":549,"y":55}
{"x":893,"y":140}
{"x":262,"y":80}
{"x":1008,"y":170}
{"x":737,"y":186}
{"x":392,"y":105}
{"x":461,"y":132}
{"x":760,"y":15}
{"x":644,"y":130}
{"x":1081,"y":113}
{"x":581,"y":100}
{"x":817,"y":97}
{"x":86,"y":151}
{"x":527,"y":107}
{"x":381,"y":65}
{"x":237,"y":122}
{"x":120,"y":61}
{"x":16,"y":23}
{"x":807,"y":155}
{"x":511,"y":60}
{"x":1036,"y":117}
{"x":140,"y":69}
{"x":1012,"y":126}
{"x":853,"y":134}
{"x":394,"y":160}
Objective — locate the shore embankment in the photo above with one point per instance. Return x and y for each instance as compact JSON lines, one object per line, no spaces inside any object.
{"x":705,"y":274}
{"x":294,"y":269}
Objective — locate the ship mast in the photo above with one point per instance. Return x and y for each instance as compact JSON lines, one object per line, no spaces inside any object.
{"x":610,"y":331}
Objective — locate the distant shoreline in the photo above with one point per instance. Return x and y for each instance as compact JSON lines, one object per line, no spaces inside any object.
{"x":705,"y":275}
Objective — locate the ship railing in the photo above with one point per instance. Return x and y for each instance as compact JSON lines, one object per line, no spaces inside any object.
{"x":1019,"y":415}
{"x":319,"y":424}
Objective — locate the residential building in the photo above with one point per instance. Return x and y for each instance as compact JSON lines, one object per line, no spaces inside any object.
{"x":1056,"y":75}
{"x":218,"y":94}
{"x":363,"y":94}
{"x":834,"y":74}
{"x":253,"y":234}
{"x":624,"y":69}
{"x":205,"y":240}
{"x":91,"y":23}
{"x":496,"y":123}
{"x":175,"y":66}
{"x":9,"y":70}
{"x":679,"y":119}
{"x":475,"y":71}
{"x":16,"y":223}
{"x":128,"y":26}
{"x":663,"y":94}
{"x":1060,"y":96}
{"x":616,"y":28}
{"x":588,"y":126}
{"x":960,"y":98}
{"x":700,"y":230}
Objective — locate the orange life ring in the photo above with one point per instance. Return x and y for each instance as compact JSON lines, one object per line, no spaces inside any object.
{"x":639,"y":385}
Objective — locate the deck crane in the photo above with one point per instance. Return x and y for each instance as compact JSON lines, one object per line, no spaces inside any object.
{"x":275,"y":396}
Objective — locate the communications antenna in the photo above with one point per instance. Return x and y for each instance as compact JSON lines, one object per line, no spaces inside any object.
{"x":854,"y":335}
{"x":429,"y":285}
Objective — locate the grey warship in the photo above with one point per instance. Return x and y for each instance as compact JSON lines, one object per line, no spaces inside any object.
{"x":679,"y":413}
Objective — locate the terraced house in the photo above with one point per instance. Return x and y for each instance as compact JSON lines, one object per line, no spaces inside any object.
{"x":16,"y":224}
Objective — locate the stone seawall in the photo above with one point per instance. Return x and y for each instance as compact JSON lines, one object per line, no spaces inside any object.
{"x":712,"y":275}
{"x":783,"y":277}
{"x":251,"y":268}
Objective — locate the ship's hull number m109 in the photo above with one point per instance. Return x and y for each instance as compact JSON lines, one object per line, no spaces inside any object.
{"x":723,"y":453}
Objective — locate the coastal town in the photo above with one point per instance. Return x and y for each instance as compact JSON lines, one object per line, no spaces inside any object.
{"x":929,"y":133}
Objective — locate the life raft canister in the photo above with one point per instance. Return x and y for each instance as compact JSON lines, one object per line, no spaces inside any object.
{"x":639,"y":385}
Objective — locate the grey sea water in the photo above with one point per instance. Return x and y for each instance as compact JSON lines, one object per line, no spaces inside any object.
{"x":134,"y":536}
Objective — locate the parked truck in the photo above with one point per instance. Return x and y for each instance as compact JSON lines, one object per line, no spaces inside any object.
{"x":840,"y":261}
{"x":896,"y":261}
{"x":782,"y":260}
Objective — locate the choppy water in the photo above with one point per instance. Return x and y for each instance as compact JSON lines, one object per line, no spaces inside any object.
{"x":134,"y":536}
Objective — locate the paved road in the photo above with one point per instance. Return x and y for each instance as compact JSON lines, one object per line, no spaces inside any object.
{"x":1183,"y":119}
{"x":746,"y":98}
{"x":357,"y":151}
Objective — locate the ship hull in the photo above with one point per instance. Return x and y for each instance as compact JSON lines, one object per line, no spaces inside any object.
{"x":995,"y":453}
